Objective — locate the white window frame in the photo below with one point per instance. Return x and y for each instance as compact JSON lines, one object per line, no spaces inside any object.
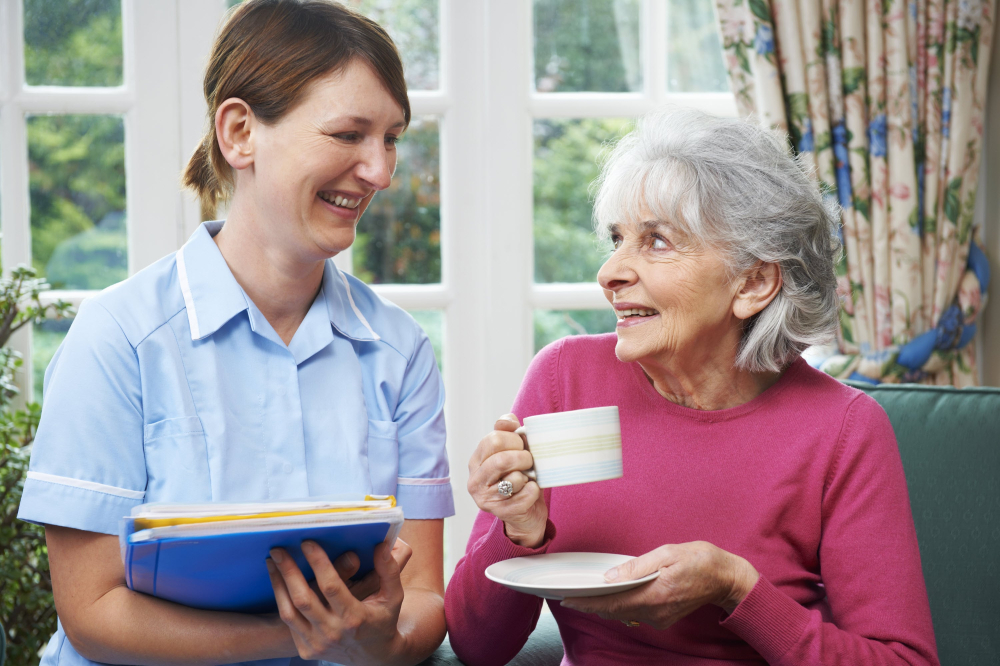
{"x":486,"y":105}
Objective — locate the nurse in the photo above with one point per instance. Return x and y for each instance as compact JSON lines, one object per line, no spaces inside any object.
{"x":246,"y":367}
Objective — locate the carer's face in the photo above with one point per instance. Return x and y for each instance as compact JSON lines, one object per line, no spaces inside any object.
{"x":317,"y":168}
{"x":673,"y":299}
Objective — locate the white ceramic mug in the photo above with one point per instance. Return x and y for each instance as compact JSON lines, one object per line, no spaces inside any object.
{"x":580,"y":446}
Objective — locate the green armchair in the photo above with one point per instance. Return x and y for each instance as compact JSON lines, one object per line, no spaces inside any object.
{"x":949,"y":441}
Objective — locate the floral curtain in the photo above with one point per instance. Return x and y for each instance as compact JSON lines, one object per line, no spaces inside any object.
{"x":886,"y":99}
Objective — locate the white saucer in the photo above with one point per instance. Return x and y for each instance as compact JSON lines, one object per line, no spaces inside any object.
{"x":563,"y":575}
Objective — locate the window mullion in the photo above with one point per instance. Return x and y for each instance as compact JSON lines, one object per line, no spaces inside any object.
{"x":654,"y":40}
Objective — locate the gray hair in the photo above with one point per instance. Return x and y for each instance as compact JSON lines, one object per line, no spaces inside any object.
{"x":734,"y":187}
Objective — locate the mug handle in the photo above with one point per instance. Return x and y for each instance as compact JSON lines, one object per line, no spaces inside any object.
{"x":524,"y":437}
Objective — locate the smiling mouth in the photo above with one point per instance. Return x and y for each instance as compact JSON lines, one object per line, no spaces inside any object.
{"x":339,"y":201}
{"x":635,"y":314}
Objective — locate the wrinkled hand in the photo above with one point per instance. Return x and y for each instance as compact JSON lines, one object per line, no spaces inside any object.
{"x":691,"y":575}
{"x":327,"y":622}
{"x":501,"y":456}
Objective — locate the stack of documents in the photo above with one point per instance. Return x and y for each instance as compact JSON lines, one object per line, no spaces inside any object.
{"x":212,"y":556}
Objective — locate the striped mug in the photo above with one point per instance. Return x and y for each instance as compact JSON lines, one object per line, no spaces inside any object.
{"x":580,"y":446}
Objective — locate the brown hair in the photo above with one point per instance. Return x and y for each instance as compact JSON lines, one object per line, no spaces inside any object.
{"x":265,"y":54}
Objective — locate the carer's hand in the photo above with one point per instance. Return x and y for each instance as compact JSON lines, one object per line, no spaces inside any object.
{"x":333,"y":625}
{"x":691,"y":575}
{"x":501,"y":456}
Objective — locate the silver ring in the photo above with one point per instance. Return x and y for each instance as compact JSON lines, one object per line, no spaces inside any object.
{"x":505,"y":488}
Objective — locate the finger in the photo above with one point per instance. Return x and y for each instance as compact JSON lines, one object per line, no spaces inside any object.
{"x":517,"y":481}
{"x":641,"y":566}
{"x":347,"y":565}
{"x":390,"y":587}
{"x":500,"y":440}
{"x":366,"y":587}
{"x":614,"y":606}
{"x":286,"y":609}
{"x":501,"y":464}
{"x":334,"y":590}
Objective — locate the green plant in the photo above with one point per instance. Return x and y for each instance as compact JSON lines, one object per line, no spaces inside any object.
{"x":27,"y":611}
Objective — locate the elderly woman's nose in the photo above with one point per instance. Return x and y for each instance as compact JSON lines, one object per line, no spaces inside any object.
{"x":376,"y":165}
{"x":616,"y":273}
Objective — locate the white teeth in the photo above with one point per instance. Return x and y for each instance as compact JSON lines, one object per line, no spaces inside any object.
{"x":640,"y":312}
{"x":339,"y":200}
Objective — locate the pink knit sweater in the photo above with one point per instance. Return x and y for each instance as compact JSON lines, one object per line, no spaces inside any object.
{"x":804,"y":481}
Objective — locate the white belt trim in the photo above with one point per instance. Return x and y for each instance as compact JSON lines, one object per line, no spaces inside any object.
{"x":410,"y":481}
{"x":182,"y":277}
{"x":87,"y":485}
{"x":350,"y":299}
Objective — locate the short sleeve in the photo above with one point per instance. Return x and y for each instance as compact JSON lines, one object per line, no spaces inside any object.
{"x":87,"y":466}
{"x":423,"y":488}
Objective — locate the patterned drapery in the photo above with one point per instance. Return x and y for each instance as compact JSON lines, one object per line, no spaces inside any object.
{"x":886,"y":98}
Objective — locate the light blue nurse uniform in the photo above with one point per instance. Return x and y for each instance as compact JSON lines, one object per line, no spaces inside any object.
{"x":173,"y":387}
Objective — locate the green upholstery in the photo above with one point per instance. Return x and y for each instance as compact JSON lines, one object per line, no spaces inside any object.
{"x":949,"y":441}
{"x":544,"y":648}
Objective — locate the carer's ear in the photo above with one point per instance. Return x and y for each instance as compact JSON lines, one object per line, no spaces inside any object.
{"x":234,"y":123}
{"x":758,"y":288}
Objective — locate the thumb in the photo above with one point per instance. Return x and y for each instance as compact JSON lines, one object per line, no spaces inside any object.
{"x":388,"y":570}
{"x":507,"y":423}
{"x":637,"y":567}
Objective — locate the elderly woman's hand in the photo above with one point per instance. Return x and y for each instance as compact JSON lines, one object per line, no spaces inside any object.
{"x":332,"y":625}
{"x":501,"y":456}
{"x":691,"y":575}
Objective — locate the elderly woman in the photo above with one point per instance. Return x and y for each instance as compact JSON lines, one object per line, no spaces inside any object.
{"x":769,"y":497}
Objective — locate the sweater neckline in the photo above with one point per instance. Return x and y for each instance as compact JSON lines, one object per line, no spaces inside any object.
{"x":769,"y":395}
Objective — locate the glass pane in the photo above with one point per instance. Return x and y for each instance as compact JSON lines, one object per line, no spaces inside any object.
{"x":77,"y":180}
{"x":399,"y":236}
{"x":432,"y":321}
{"x":413,"y":26}
{"x":565,"y":164}
{"x":45,"y":339}
{"x":73,"y":42}
{"x":587,"y":45}
{"x":694,"y":51}
{"x":551,"y":325}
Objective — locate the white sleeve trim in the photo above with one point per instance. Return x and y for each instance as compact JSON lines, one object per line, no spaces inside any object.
{"x":88,"y":485}
{"x":412,"y":481}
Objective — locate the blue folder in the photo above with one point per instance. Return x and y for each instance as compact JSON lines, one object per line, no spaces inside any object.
{"x":227,"y":572}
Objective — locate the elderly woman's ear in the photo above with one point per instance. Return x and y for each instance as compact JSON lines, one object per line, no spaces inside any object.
{"x":758,"y":287}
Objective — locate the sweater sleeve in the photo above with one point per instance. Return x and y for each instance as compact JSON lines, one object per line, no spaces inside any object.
{"x":869,"y":564}
{"x":487,"y":622}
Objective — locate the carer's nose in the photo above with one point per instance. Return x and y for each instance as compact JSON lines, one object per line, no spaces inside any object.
{"x":376,"y":164}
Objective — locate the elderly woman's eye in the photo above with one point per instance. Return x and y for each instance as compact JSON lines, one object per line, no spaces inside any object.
{"x":660,"y":243}
{"x":616,"y":242}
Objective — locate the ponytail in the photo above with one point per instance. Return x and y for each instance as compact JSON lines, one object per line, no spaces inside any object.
{"x":200,"y":176}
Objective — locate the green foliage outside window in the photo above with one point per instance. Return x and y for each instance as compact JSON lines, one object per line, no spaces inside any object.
{"x":73,"y":42}
{"x":567,"y":154}
{"x":77,"y":184}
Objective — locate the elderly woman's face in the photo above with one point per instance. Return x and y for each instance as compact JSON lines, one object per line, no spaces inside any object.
{"x":672,"y":298}
{"x":318,"y":167}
